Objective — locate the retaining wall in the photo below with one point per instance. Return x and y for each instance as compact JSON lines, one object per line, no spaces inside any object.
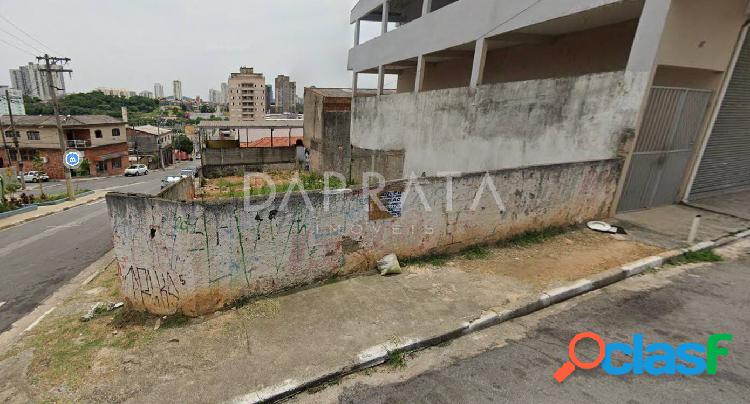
{"x":196,"y":256}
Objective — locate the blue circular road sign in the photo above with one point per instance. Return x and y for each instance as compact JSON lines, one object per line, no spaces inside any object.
{"x":73,"y":159}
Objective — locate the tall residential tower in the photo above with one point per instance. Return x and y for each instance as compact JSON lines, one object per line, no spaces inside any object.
{"x":247,"y":95}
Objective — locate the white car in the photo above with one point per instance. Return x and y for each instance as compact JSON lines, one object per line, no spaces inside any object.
{"x":34,"y":176}
{"x":169,"y":180}
{"x":187,"y":172}
{"x":136,"y":169}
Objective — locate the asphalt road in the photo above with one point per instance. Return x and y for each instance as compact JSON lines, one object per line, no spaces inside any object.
{"x":697,"y":303}
{"x":39,"y":256}
{"x":57,"y":186}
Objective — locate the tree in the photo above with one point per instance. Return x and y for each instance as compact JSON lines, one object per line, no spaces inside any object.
{"x":38,"y":165}
{"x":93,"y":103}
{"x":207,"y":109}
{"x":183,"y":143}
{"x":84,"y":169}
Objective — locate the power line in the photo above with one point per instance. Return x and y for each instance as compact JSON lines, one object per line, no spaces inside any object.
{"x":21,"y":40}
{"x":27,"y":34}
{"x":22,"y":50}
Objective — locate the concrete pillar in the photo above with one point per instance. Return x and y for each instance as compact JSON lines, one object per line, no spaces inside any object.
{"x":477,"y":69}
{"x":356,"y":32}
{"x":648,"y":36}
{"x":381,"y":79}
{"x":426,"y":7}
{"x":384,"y":24}
{"x":355,"y":77}
{"x":419,"y":81}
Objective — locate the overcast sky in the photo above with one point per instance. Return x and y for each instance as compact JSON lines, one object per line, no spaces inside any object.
{"x":135,"y":43}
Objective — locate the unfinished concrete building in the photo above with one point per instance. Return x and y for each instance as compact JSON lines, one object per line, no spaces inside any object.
{"x":646,"y":84}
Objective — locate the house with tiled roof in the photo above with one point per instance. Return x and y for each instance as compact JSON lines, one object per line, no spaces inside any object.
{"x":101,"y":139}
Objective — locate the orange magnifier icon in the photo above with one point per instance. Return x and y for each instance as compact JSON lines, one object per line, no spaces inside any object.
{"x":570,"y":366}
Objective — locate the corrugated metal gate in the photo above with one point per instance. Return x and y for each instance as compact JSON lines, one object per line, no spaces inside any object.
{"x":725,"y":165}
{"x":671,"y":124}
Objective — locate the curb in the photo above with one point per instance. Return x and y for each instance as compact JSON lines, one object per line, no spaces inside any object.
{"x":62,"y":200}
{"x":379,"y":354}
{"x":7,"y":226}
{"x":24,"y":209}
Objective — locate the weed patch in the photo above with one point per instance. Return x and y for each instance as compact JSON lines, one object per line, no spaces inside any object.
{"x":476,"y":252}
{"x":696,"y":256}
{"x":175,"y":320}
{"x":396,"y":360}
{"x":437,"y":260}
{"x":533,"y":237}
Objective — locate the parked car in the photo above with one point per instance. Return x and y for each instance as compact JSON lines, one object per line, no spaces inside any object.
{"x":187,"y":172}
{"x":34,"y":176}
{"x":136,"y":170}
{"x":169,"y":180}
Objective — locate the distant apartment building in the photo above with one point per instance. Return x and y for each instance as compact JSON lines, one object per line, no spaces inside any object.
{"x":33,"y":82}
{"x":286,"y":94}
{"x":158,"y":91}
{"x":118,"y":92}
{"x":146,"y":93}
{"x":269,"y":98}
{"x":214,"y":96}
{"x":177,"y":90}
{"x":101,"y":139}
{"x":224,"y":93}
{"x":14,"y":101}
{"x":247,"y":98}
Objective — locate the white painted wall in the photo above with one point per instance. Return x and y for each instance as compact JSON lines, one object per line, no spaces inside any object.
{"x":504,"y":125}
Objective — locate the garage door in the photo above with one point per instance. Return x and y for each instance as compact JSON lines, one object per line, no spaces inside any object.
{"x":725,"y":166}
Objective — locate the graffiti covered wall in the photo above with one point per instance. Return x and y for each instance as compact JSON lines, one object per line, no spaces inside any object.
{"x":196,"y":256}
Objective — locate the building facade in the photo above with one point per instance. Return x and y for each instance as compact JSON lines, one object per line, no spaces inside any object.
{"x":177,"y":90}
{"x":13,"y":102}
{"x":247,"y":98}
{"x":269,"y":98}
{"x":286,"y":94}
{"x":658,"y":85}
{"x":158,"y":91}
{"x":100,"y":138}
{"x":33,"y":82}
{"x":214,"y":96}
{"x":146,"y":93}
{"x":150,"y":145}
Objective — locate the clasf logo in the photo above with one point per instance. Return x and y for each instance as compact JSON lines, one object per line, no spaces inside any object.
{"x":658,"y":358}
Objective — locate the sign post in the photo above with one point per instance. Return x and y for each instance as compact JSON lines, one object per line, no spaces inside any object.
{"x":72,"y":159}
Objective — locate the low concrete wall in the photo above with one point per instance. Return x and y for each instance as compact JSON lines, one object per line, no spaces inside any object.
{"x":220,"y":162}
{"x":506,"y":125}
{"x":194,"y":257}
{"x":183,"y":190}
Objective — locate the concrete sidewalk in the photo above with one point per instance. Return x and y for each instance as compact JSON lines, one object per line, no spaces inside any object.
{"x":48,"y":210}
{"x":295,"y":340}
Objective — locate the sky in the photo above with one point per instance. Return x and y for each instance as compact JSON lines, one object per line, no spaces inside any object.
{"x":135,"y":43}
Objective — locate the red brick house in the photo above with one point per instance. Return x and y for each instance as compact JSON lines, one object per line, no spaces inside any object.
{"x":101,"y":138}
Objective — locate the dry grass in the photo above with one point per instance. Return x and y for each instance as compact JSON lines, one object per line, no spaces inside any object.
{"x":66,"y":348}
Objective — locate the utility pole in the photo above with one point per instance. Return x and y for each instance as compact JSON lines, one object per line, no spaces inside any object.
{"x":15,"y":141}
{"x":49,"y":61}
